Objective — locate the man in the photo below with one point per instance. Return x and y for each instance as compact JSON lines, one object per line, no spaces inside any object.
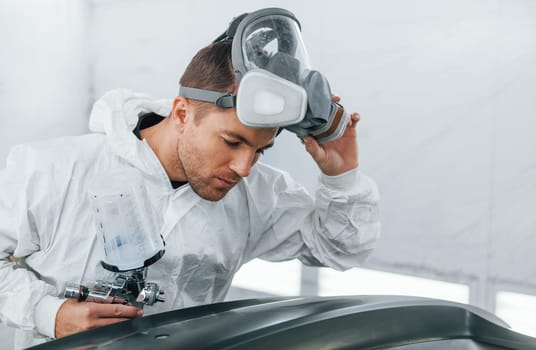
{"x":218,"y":208}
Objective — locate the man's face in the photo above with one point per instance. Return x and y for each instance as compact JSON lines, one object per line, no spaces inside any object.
{"x":215,"y":151}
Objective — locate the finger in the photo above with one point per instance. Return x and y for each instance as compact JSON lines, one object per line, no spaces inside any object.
{"x":313,"y":148}
{"x":117,"y":310}
{"x":101,"y":322}
{"x":336,"y":98}
{"x":354,"y":119}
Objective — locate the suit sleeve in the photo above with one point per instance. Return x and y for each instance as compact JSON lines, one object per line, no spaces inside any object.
{"x":338,"y":228}
{"x":26,"y":301}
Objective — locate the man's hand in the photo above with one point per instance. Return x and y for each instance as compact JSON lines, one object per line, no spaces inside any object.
{"x":74,"y":316}
{"x":337,"y":156}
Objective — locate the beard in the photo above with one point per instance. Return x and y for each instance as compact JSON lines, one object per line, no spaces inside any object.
{"x":199,"y":174}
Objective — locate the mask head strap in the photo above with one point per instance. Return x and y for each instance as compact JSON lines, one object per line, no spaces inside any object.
{"x":230,"y":32}
{"x":220,"y":99}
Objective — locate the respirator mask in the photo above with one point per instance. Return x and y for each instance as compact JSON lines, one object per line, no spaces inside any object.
{"x":276,"y":86}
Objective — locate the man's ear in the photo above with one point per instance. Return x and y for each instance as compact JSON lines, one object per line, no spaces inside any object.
{"x":180,"y":110}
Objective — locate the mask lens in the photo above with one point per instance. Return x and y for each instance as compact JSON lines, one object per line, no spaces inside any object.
{"x":268,"y":37}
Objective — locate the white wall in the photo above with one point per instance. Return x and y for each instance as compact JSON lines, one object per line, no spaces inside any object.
{"x":445,"y":89}
{"x":44,"y":71}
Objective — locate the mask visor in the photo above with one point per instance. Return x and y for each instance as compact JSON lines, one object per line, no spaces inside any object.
{"x":273,"y":42}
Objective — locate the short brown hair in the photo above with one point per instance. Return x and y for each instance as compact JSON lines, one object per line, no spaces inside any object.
{"x":211,"y":68}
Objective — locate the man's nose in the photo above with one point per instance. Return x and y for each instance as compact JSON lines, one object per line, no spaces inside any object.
{"x":242,"y":162}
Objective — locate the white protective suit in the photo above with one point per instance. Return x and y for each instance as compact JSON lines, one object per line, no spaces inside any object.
{"x":45,"y":220}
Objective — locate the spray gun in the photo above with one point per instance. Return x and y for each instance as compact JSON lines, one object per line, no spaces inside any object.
{"x":129,"y":234}
{"x":128,"y":288}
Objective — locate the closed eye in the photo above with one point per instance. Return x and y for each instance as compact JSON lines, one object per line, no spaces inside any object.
{"x":232,"y":143}
{"x":235,"y":144}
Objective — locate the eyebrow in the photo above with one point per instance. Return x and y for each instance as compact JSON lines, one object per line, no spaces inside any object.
{"x":246,"y":141}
